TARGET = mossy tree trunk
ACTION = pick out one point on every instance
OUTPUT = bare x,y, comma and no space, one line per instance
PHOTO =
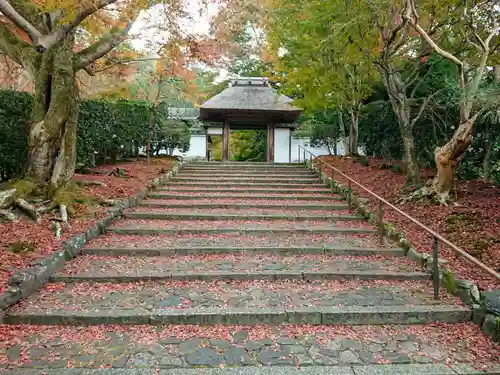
397,94
52,139
48,54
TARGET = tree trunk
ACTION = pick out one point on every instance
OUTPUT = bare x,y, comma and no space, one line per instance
150,135
447,157
412,167
397,94
353,133
343,133
52,138
487,156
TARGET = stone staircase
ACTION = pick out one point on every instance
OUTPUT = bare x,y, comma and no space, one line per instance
241,264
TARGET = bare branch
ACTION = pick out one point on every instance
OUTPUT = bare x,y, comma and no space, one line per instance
46,42
423,106
21,22
100,48
125,62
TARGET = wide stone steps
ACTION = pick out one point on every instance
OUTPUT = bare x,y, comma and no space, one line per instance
268,180
222,166
235,216
162,227
240,265
255,266
203,250
248,196
241,204
242,190
362,244
242,302
247,175
202,185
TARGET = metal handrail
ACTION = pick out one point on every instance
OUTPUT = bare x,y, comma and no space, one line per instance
437,237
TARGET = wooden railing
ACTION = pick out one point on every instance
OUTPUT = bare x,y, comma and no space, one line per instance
437,238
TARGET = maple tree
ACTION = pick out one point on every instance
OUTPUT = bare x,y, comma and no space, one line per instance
43,37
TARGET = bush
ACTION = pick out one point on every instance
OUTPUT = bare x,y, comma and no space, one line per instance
15,112
106,131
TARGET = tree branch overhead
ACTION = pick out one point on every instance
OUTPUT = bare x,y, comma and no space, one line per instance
44,42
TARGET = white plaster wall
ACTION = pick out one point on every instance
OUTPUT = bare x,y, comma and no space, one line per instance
214,131
305,142
197,148
281,145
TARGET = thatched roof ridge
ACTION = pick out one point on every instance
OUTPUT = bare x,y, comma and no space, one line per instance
250,94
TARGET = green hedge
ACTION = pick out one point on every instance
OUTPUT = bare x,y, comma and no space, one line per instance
106,131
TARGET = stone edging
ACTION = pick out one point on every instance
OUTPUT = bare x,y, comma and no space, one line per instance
483,314
25,282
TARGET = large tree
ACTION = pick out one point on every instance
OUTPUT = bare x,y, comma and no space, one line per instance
41,36
476,38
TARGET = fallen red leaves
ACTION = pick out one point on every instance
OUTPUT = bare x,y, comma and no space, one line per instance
43,237
462,342
473,223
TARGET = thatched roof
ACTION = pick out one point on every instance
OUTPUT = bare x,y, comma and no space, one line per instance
250,100
183,113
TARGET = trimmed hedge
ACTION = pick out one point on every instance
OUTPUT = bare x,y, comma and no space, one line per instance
106,131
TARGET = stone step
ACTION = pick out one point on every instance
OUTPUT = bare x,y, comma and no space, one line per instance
240,175
240,204
238,302
162,227
245,164
253,172
242,189
268,196
201,250
202,185
268,180
235,216
206,356
300,243
255,266
249,350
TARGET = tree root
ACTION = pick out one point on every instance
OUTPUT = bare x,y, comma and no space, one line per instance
28,208
8,215
64,213
90,183
118,172
7,197
426,193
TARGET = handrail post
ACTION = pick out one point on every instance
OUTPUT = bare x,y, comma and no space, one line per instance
349,200
381,223
435,267
311,162
319,168
332,184
298,152
303,149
